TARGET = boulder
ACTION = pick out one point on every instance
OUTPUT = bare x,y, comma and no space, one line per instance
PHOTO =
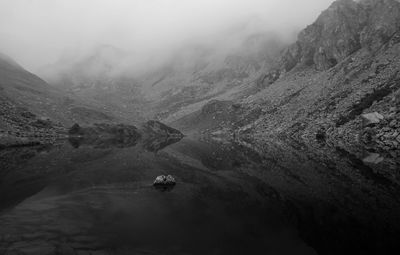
372,118
164,180
373,158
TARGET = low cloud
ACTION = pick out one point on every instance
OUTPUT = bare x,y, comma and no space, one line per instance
38,33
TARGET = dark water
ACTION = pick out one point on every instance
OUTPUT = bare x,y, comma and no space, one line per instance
97,197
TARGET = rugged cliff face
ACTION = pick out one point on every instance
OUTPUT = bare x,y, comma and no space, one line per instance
341,30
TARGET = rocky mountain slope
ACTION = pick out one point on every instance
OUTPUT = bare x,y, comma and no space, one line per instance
344,65
338,82
28,90
198,74
100,78
33,110
343,68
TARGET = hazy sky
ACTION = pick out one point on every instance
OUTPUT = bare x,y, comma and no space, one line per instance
37,32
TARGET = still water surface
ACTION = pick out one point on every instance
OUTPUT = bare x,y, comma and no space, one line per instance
98,198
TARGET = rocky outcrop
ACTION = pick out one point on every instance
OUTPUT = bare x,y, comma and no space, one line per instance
345,27
385,135
372,118
373,158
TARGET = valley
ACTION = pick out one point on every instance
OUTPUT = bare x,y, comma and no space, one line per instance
278,144
339,69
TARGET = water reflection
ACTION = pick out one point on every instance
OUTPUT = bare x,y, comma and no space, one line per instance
155,145
117,142
230,198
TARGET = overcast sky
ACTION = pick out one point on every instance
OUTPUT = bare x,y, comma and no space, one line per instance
37,32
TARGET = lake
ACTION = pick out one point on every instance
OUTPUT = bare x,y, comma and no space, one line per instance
230,198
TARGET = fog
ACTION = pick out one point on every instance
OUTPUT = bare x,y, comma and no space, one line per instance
38,33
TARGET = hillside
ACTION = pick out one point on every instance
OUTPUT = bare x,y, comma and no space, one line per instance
198,74
32,110
338,82
171,87
99,77
342,67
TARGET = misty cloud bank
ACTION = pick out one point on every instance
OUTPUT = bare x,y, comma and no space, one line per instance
39,33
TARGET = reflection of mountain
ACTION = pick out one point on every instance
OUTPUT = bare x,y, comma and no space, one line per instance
96,142
151,143
17,185
98,193
155,144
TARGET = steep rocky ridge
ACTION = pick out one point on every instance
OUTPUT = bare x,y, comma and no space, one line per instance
341,30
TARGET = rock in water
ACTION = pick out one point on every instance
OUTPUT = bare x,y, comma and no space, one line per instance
165,180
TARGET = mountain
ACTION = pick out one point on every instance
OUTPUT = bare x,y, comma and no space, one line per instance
31,108
200,73
100,78
341,30
170,87
343,69
339,81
